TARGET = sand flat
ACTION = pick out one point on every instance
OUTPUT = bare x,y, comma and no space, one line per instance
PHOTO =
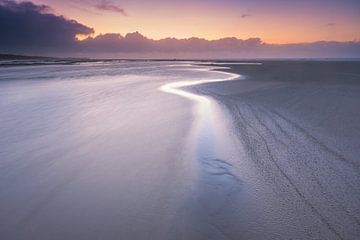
299,122
102,150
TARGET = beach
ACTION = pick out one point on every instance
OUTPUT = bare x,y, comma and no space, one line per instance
95,150
180,150
299,123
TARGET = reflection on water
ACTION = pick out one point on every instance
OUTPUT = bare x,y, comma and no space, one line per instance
215,201
206,126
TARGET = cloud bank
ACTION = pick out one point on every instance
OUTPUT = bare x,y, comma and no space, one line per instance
26,28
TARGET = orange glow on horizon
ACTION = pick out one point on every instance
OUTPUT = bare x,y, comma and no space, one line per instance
181,21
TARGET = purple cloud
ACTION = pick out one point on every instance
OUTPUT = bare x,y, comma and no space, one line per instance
24,6
135,45
25,26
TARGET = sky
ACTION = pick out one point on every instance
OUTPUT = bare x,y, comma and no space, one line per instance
274,21
181,28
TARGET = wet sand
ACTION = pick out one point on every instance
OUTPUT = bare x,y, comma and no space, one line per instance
299,123
99,151
119,150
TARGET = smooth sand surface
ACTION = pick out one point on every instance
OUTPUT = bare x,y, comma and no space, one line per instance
110,150
98,151
299,122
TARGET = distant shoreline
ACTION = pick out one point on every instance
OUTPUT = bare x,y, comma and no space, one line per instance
6,56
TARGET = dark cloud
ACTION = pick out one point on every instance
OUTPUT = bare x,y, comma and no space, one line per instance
245,15
24,6
109,6
25,26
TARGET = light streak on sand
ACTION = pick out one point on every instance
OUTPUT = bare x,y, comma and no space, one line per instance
206,134
175,87
212,149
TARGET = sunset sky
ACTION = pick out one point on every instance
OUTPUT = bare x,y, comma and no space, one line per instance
274,21
181,28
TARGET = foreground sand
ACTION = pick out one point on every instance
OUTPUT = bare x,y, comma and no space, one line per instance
108,151
300,125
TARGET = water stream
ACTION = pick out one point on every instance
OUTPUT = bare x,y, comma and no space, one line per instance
217,195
